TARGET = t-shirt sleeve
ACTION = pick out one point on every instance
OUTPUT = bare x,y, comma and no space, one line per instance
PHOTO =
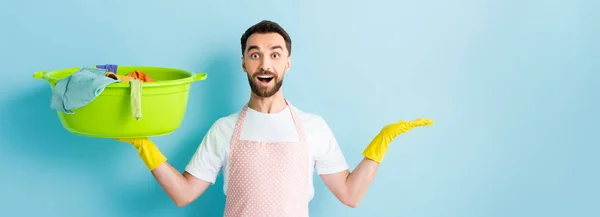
330,158
208,158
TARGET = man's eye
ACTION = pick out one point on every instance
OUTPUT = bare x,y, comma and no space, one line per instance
275,56
254,56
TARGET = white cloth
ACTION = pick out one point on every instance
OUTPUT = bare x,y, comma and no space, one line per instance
212,154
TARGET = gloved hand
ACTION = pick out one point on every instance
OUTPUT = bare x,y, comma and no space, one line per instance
378,147
149,153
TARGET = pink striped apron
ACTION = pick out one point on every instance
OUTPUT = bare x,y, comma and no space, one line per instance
267,178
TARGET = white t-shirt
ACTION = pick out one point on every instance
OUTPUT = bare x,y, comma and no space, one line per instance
213,152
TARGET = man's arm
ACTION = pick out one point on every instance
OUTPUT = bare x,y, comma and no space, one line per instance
181,188
351,187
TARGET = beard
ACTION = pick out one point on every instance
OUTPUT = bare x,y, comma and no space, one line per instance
261,90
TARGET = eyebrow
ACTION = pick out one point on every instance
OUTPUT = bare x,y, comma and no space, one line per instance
251,47
276,47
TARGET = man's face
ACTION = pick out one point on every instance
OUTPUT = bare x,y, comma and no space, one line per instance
265,61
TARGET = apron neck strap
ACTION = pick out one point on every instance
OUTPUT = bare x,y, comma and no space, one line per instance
242,118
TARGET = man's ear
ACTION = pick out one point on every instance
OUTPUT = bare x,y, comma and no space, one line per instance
289,64
244,65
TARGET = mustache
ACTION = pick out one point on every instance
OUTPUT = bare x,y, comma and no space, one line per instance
265,72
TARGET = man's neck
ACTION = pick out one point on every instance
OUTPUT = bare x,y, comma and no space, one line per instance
268,105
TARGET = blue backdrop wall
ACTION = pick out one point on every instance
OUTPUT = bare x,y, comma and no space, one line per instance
512,85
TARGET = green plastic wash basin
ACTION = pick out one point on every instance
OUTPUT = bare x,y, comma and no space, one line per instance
163,101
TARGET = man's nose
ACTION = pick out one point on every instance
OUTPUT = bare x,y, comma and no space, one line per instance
266,65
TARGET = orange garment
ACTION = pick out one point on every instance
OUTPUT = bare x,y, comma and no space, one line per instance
140,76
137,74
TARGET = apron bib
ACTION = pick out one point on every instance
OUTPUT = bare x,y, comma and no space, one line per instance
267,178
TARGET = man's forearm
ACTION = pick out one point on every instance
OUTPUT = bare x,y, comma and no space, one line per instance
360,179
174,183
181,188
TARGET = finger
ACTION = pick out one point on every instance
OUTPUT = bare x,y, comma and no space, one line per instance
420,122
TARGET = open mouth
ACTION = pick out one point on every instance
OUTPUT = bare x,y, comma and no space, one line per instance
265,78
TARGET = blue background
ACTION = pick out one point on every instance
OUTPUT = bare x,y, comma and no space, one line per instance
512,85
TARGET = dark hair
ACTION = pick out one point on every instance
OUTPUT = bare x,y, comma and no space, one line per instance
267,26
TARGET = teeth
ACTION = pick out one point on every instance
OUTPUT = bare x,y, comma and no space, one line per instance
265,76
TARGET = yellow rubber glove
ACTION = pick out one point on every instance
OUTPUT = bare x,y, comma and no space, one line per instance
149,153
378,147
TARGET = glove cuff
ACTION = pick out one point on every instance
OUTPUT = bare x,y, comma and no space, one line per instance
150,154
377,149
